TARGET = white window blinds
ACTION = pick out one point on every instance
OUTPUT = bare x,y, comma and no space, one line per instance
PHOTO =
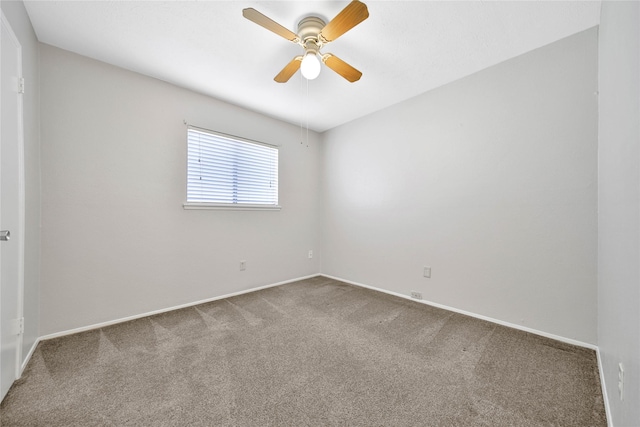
223,170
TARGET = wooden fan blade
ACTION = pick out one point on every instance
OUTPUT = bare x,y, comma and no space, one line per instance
349,17
253,15
289,70
341,67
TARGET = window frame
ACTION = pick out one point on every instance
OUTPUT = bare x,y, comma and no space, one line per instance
231,206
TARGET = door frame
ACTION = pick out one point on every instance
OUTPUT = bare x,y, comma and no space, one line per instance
20,235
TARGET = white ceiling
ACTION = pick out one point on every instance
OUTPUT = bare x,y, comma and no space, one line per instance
404,48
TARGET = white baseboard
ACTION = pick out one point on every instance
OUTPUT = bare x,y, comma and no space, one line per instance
164,310
605,395
468,313
26,360
433,304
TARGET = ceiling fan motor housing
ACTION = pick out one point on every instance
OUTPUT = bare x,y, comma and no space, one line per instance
308,30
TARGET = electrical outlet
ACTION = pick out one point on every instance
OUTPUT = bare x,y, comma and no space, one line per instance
310,253
416,295
621,380
243,265
427,272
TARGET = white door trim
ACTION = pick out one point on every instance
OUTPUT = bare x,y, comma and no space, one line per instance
20,235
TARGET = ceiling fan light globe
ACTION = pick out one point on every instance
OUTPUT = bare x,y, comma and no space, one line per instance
310,66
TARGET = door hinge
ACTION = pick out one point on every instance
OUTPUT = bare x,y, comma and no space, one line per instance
20,84
18,326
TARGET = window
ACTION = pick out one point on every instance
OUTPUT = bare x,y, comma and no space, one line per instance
225,171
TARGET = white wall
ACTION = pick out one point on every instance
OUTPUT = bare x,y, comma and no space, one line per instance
116,240
490,180
619,211
21,26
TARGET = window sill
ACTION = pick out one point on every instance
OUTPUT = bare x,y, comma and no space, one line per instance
230,207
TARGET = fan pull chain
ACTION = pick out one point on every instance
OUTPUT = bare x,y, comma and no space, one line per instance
302,107
307,113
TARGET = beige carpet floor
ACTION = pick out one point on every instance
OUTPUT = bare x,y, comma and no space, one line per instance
312,353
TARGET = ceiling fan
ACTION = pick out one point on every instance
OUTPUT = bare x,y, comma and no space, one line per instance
313,34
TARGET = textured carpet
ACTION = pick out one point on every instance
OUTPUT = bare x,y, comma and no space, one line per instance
311,353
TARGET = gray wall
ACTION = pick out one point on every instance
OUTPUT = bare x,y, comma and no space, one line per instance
490,180
618,206
21,25
116,241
